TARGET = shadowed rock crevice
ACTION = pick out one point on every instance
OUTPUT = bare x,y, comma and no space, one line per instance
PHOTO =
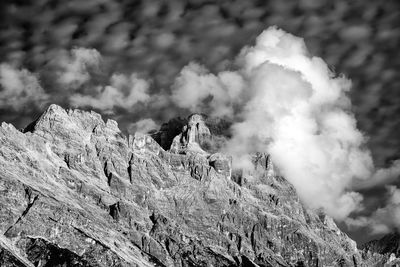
9,231
42,253
168,131
7,259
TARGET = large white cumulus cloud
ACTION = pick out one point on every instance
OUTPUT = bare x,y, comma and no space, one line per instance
302,115
291,105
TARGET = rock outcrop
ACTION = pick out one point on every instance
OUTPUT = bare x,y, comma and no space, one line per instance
384,251
74,191
168,131
193,136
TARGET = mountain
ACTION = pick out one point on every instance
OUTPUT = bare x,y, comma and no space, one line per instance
389,243
386,249
74,191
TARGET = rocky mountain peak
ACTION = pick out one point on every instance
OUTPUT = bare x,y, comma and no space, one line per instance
168,130
74,191
196,129
70,123
193,135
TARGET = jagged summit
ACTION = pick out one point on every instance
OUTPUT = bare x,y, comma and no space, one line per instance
57,118
210,135
77,192
194,134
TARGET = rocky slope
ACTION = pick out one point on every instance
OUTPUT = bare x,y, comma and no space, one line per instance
385,250
74,191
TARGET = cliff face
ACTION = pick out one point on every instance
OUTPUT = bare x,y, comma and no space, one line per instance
74,191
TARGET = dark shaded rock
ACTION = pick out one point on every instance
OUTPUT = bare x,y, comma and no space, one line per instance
43,253
168,131
7,259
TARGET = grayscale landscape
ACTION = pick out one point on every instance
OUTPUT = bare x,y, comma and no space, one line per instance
199,133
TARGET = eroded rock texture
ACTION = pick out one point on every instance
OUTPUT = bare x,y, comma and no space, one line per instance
74,191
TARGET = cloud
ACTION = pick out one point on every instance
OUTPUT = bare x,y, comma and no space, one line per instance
381,177
383,220
199,90
123,92
298,110
291,105
74,68
136,37
281,100
142,126
20,89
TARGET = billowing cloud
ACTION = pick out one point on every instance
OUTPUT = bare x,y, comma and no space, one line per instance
19,89
123,92
294,107
300,113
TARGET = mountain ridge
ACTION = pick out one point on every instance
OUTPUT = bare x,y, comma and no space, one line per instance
76,191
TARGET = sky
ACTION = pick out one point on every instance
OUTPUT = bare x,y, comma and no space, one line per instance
138,62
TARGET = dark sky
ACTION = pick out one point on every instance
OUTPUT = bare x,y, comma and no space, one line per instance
155,39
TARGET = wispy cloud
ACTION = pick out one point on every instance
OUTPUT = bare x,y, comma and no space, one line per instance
19,89
73,69
123,92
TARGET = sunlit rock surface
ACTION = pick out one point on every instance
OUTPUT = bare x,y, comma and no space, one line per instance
193,135
74,191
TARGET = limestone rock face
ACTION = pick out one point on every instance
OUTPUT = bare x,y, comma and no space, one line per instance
74,191
221,163
194,134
